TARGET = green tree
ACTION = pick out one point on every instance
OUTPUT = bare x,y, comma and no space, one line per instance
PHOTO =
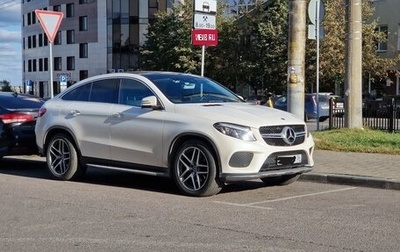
252,48
332,49
168,45
6,86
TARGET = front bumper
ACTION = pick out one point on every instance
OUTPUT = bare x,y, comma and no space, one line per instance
264,174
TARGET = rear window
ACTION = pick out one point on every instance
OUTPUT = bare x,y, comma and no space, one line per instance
11,101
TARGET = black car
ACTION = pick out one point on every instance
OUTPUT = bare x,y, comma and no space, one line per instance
18,113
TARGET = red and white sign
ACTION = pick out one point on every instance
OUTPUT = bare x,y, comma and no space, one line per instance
204,37
50,21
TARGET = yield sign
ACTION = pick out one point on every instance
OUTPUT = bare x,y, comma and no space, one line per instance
50,21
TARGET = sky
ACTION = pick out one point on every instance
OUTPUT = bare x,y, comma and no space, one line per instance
10,42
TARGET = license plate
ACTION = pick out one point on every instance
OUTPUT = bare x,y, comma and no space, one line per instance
288,159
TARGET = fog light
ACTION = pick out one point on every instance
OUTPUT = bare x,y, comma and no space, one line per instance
241,159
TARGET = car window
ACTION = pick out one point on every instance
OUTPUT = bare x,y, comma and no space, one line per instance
132,92
16,101
281,100
192,89
105,91
80,93
323,98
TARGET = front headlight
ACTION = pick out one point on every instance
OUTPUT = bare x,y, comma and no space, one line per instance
237,131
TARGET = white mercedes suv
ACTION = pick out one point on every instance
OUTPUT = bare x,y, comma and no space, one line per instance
182,126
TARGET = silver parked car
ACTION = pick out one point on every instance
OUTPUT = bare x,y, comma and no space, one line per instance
182,126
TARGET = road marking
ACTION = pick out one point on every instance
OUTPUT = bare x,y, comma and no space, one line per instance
253,204
242,205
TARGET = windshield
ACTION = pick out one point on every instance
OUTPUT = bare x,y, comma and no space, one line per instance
182,88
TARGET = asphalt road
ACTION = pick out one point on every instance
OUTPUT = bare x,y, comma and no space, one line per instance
110,211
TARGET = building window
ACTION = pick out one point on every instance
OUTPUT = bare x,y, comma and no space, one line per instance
34,65
57,39
29,65
382,46
40,37
40,65
29,42
57,63
71,63
45,41
83,74
46,64
34,41
70,36
57,8
83,1
70,10
83,23
33,18
83,50
28,17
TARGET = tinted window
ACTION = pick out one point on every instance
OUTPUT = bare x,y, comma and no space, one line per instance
323,98
191,89
19,101
105,91
78,94
281,100
132,92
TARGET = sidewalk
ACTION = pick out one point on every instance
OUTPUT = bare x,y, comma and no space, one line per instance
360,169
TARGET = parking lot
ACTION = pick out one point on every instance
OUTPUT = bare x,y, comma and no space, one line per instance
110,211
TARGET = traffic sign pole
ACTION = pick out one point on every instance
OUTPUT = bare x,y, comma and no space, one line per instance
50,22
51,71
203,52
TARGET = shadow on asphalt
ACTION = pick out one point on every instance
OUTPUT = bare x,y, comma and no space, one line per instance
34,168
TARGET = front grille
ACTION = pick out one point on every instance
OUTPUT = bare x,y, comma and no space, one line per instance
274,135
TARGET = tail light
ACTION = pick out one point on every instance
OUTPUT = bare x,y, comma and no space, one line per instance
42,111
16,118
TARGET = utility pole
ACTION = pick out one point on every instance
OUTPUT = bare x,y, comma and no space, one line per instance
353,76
296,57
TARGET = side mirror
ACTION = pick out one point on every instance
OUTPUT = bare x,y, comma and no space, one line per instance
151,102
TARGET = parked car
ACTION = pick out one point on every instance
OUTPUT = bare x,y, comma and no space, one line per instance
18,113
310,105
258,100
182,126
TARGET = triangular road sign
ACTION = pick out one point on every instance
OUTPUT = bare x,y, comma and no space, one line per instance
50,21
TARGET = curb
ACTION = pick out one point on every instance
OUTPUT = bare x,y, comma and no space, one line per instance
355,180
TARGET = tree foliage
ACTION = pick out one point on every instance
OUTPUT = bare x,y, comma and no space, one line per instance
168,45
332,49
257,42
5,86
252,47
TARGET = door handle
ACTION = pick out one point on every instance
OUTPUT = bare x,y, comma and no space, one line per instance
75,113
118,115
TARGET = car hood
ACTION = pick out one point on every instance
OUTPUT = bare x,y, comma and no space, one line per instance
239,113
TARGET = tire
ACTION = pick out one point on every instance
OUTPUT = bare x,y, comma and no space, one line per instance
194,170
281,180
62,159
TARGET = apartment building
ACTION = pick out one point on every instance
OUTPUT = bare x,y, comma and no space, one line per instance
95,37
386,12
